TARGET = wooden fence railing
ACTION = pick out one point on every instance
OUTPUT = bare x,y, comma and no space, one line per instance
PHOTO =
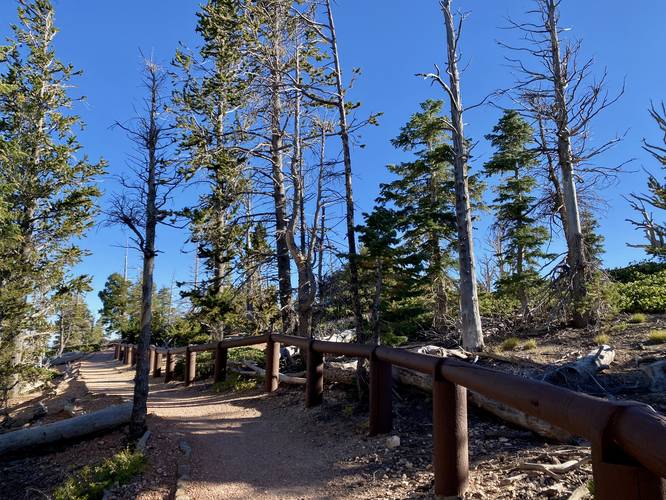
628,439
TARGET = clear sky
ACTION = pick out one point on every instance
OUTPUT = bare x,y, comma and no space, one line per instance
391,41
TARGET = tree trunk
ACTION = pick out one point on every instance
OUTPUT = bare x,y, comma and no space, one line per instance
472,334
37,437
280,199
349,197
574,235
141,385
376,303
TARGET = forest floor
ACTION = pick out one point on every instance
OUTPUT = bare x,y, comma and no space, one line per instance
247,444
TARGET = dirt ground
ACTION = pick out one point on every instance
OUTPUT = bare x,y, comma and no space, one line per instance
252,445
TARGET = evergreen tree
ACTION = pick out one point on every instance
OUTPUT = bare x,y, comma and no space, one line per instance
523,237
49,191
423,195
212,89
115,312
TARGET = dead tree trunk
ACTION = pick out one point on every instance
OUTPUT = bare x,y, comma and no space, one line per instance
472,334
340,104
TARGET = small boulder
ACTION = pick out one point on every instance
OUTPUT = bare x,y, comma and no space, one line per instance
392,442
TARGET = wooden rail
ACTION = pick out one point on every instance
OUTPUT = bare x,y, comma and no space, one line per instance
628,439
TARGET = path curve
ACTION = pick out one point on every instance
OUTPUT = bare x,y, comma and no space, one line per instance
244,445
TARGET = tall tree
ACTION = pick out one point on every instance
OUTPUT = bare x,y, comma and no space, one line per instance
644,204
472,333
115,311
561,93
49,193
211,90
143,205
424,196
515,205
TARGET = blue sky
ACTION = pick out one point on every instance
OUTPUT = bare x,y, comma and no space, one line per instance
391,41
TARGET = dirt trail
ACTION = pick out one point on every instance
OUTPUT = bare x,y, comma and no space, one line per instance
243,446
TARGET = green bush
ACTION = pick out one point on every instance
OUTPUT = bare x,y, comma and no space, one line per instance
91,481
657,336
635,272
496,305
235,383
251,354
510,344
646,294
530,345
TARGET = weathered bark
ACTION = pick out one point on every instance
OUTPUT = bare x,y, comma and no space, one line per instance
77,427
376,302
574,234
349,196
280,200
472,333
141,384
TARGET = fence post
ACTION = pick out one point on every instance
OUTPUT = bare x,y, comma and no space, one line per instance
128,355
157,364
616,475
272,365
381,396
449,435
115,351
221,355
314,387
190,365
134,355
151,359
170,365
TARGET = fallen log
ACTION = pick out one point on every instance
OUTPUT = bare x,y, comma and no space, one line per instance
580,373
424,382
256,370
64,430
68,357
656,374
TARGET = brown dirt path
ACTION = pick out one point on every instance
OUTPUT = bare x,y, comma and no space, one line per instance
247,445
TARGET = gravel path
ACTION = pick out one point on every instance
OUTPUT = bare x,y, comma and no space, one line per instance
247,445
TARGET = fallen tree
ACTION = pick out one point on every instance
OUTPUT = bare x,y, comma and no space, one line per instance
64,430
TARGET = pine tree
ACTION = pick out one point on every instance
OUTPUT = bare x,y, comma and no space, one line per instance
423,195
212,88
115,312
49,189
523,237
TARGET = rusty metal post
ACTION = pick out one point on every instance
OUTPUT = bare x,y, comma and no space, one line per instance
272,366
190,366
151,360
221,355
128,355
314,387
134,356
170,366
449,435
616,475
115,351
157,364
381,396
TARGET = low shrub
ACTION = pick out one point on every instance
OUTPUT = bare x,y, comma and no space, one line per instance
602,339
637,318
91,481
251,354
657,336
235,383
530,345
510,344
646,294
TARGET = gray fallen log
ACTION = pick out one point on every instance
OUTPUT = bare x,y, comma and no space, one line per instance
580,374
73,428
68,357
656,374
424,382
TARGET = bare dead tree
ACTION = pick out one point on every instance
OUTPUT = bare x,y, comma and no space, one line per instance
472,333
142,205
645,204
562,95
